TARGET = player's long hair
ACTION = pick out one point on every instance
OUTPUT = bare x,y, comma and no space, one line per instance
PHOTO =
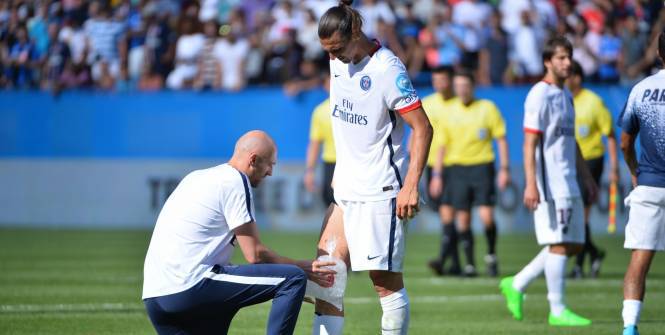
342,18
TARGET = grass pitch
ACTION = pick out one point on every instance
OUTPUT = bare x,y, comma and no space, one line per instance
89,282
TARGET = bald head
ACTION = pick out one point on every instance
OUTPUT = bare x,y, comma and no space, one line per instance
254,155
254,141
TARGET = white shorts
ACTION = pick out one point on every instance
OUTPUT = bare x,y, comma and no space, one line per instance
374,234
646,219
560,221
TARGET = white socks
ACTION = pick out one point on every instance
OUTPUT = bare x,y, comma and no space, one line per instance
555,272
327,325
631,312
395,320
531,271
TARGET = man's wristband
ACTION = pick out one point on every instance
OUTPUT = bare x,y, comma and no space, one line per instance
436,174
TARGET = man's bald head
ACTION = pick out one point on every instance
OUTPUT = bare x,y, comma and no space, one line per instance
254,141
254,155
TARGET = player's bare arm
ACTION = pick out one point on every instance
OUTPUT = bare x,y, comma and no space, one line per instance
585,173
408,197
436,184
504,166
612,146
313,150
531,195
256,252
629,154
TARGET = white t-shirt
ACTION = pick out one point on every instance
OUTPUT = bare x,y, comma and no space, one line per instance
366,101
189,47
372,14
231,57
194,230
548,110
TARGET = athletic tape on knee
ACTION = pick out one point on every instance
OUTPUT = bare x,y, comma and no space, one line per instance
334,294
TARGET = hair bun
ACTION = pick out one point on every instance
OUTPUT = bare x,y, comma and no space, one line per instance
346,2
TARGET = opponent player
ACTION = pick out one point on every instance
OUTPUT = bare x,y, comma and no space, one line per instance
320,136
468,128
371,97
644,114
189,287
552,161
592,122
435,105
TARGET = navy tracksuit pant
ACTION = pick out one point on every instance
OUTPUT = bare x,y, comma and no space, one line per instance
209,306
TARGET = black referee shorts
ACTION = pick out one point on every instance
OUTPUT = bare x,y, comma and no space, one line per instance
596,166
467,186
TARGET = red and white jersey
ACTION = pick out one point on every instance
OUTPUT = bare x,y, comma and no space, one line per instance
367,100
549,111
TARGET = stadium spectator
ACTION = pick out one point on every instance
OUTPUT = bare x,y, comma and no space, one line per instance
21,60
188,50
160,41
375,11
552,191
633,41
57,56
72,33
231,52
592,122
609,53
105,39
189,285
435,106
307,36
528,62
321,137
408,27
585,48
209,74
493,58
645,230
369,116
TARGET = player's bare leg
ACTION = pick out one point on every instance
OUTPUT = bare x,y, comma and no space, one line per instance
394,301
466,241
329,319
634,286
448,247
486,214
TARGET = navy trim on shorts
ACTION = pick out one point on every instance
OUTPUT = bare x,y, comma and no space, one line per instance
393,120
393,224
248,198
543,169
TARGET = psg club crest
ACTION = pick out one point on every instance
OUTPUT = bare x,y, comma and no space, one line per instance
365,83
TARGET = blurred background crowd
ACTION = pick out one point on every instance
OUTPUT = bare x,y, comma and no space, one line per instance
228,44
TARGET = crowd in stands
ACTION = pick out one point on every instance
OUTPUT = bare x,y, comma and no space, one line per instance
228,44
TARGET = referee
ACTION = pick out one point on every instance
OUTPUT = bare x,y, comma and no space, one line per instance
435,105
320,136
592,122
469,127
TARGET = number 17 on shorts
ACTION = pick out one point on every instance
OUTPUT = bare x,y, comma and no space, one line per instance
560,221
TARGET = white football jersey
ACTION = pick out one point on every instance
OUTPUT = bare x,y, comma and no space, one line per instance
194,230
549,111
366,102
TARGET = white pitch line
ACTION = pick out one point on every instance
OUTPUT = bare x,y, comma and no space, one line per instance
68,308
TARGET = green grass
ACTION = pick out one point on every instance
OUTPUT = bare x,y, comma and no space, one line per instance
89,282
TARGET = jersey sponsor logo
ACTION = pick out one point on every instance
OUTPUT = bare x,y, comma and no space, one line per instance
564,131
365,83
345,113
371,258
655,95
405,87
583,130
